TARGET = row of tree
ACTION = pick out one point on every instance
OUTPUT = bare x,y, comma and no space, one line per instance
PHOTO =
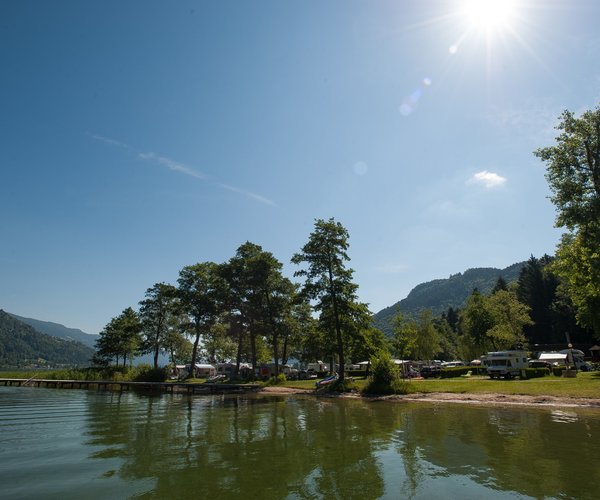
245,309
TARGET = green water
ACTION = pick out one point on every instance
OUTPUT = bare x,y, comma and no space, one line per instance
85,444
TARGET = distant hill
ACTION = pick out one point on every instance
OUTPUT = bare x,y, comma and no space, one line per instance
60,331
21,345
438,295
76,335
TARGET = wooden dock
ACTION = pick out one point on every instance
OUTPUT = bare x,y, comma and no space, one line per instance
120,386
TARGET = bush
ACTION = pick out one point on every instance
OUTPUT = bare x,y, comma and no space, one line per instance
338,386
535,372
356,373
279,379
455,371
146,373
385,377
557,371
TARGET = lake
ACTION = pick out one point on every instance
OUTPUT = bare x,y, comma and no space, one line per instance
86,444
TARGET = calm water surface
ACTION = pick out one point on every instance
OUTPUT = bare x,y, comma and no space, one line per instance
85,444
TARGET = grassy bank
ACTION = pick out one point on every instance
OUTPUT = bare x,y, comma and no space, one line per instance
585,385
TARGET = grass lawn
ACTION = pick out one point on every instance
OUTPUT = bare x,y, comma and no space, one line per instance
585,385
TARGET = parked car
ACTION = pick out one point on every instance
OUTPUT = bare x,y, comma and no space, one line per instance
431,371
536,363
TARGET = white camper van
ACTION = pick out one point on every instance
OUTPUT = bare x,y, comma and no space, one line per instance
505,364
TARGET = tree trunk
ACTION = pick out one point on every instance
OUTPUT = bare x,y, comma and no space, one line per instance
192,372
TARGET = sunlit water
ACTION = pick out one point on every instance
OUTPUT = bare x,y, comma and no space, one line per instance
86,444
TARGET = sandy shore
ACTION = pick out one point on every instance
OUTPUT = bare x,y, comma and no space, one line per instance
473,398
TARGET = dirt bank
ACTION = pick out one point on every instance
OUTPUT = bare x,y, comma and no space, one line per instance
473,398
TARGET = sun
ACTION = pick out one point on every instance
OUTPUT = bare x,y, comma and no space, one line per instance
489,15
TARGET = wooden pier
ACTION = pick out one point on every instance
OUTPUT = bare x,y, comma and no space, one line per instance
120,386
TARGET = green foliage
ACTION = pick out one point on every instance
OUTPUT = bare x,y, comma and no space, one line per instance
573,173
404,341
157,316
329,283
120,338
557,371
457,371
147,373
201,290
21,345
578,265
385,377
535,372
339,386
276,380
438,295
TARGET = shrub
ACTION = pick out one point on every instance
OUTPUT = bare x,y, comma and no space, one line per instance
385,377
146,373
455,371
535,372
347,385
279,379
557,371
356,373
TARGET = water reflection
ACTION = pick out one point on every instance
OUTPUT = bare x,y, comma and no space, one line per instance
295,447
226,447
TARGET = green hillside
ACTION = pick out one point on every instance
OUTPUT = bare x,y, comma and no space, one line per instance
438,295
21,346
58,330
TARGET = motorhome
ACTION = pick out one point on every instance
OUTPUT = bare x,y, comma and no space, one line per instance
568,357
507,364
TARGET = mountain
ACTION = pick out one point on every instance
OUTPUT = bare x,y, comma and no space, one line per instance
438,295
76,335
21,345
60,331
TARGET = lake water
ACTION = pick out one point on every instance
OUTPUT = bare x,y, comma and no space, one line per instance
86,444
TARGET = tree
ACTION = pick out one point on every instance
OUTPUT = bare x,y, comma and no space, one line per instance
578,264
475,321
500,285
573,173
404,341
510,317
327,280
259,299
120,338
428,339
200,294
573,170
155,314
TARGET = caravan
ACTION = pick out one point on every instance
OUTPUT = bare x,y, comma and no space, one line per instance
505,364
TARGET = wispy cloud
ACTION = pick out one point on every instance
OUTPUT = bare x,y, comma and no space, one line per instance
489,180
109,141
176,166
172,165
250,194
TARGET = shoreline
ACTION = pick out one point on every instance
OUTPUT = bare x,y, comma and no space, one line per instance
479,399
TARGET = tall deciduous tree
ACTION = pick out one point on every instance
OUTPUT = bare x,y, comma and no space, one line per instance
156,312
327,280
573,173
200,293
120,338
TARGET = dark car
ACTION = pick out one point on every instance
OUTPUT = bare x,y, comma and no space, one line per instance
430,371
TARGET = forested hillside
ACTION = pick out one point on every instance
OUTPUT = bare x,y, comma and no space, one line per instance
58,330
21,345
438,295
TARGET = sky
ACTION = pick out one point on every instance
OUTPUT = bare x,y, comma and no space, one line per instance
143,136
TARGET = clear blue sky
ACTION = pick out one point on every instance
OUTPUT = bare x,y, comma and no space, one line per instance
138,137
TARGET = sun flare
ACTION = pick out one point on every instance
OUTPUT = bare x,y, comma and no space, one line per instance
489,14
